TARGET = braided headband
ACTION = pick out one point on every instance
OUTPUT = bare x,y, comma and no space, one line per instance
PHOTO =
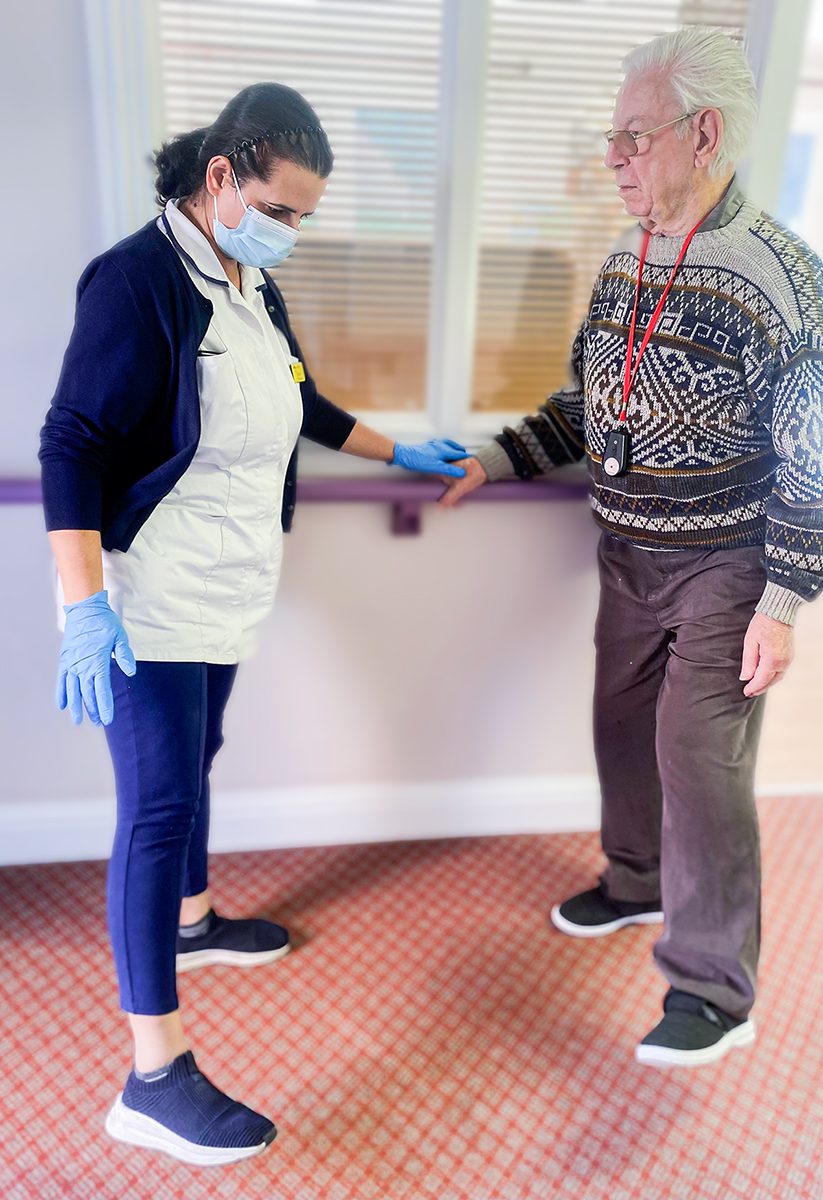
250,143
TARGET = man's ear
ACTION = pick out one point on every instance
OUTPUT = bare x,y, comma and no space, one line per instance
707,130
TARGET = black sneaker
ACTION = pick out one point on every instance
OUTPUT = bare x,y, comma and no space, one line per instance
183,1114
592,914
246,943
692,1032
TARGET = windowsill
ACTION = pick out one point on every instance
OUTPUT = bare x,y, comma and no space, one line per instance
475,431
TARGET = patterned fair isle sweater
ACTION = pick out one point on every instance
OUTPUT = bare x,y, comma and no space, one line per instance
726,413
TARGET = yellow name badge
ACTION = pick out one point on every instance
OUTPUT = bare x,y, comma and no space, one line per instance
298,373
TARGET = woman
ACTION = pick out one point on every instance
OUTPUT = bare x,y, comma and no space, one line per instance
168,461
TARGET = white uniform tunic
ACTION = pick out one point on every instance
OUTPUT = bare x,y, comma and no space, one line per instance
202,572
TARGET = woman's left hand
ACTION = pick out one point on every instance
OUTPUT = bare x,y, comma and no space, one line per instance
432,458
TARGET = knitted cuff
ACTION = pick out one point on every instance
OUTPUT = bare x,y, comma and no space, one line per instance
778,602
495,462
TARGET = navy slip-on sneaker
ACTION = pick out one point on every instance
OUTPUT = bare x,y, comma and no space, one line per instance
183,1114
693,1032
242,943
592,914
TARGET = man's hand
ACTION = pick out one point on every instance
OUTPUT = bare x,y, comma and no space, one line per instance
458,488
768,649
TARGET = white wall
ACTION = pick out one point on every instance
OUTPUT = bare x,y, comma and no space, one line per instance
50,214
404,685
464,653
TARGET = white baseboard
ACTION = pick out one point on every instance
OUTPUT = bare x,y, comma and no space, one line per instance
70,830
33,831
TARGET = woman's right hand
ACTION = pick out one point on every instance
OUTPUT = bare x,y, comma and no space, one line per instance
474,477
93,632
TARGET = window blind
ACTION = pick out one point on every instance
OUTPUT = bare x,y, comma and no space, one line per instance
357,284
549,212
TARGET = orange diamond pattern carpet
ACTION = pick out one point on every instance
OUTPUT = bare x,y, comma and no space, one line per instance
431,1037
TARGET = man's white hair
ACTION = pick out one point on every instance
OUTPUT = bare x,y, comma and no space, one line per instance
706,69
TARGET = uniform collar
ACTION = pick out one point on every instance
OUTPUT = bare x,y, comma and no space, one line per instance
192,245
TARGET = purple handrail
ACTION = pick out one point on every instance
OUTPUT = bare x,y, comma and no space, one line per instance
331,489
20,491
406,496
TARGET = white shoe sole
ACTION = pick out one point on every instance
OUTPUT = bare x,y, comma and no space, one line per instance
228,958
592,931
664,1056
136,1129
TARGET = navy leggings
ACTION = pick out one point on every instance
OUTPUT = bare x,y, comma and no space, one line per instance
166,731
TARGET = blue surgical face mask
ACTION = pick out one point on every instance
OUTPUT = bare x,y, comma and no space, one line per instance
258,241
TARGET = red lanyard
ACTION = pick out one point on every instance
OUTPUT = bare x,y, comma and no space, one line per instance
630,375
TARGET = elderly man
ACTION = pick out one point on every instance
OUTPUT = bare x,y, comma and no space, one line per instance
697,402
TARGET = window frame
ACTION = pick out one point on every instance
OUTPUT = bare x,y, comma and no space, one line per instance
125,68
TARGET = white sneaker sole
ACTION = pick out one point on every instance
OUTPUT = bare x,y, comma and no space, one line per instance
228,958
592,931
664,1056
136,1129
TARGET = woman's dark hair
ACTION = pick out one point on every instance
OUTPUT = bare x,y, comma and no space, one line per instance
263,124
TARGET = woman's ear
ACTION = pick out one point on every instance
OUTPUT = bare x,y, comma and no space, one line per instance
218,174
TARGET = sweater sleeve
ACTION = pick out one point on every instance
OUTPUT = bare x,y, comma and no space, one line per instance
114,370
550,438
794,510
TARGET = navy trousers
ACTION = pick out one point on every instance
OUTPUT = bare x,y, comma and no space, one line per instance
167,728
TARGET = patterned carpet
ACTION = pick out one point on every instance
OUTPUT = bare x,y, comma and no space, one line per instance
431,1037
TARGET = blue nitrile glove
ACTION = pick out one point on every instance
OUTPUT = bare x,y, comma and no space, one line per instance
93,631
433,458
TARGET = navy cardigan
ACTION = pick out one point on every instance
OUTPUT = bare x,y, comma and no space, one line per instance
124,423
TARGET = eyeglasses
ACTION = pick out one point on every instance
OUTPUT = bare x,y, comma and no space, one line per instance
625,142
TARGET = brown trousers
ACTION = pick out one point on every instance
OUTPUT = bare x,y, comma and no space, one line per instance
676,742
